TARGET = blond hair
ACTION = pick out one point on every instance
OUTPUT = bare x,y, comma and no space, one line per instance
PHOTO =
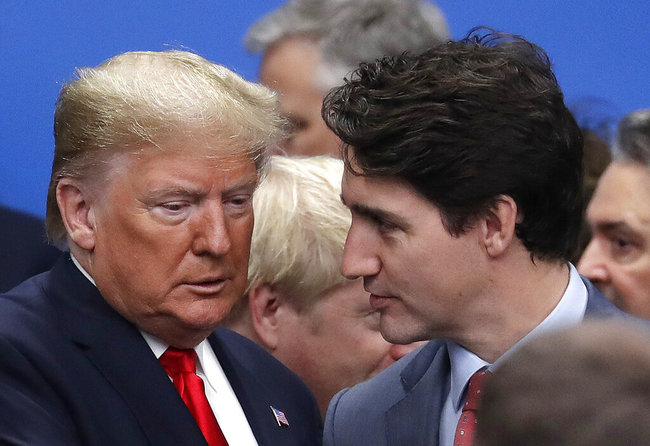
300,228
144,98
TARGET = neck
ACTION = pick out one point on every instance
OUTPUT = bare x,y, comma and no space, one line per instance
509,310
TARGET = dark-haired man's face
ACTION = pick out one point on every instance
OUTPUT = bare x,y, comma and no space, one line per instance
420,277
617,258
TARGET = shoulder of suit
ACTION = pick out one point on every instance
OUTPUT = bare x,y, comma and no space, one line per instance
389,385
253,356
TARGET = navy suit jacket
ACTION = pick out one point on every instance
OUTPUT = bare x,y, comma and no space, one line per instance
73,371
402,405
24,250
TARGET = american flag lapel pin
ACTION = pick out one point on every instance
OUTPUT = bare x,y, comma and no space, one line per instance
280,418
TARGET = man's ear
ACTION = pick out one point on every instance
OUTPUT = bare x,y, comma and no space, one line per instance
264,304
499,225
75,208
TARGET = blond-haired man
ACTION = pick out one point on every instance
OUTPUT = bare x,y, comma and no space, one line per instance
156,159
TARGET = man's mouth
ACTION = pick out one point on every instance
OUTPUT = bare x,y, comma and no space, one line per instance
377,302
207,286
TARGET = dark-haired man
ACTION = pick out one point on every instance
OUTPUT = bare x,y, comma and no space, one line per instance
617,258
463,175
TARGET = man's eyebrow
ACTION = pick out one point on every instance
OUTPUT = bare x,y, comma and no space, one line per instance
618,226
174,190
606,226
247,182
378,215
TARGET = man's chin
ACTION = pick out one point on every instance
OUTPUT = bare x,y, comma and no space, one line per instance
395,333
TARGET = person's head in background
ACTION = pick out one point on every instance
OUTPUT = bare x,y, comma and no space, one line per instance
298,305
596,156
309,46
617,259
594,116
586,386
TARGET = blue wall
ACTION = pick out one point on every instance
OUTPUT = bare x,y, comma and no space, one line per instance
599,48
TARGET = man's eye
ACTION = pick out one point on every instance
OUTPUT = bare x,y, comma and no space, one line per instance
620,243
238,203
173,207
241,201
622,248
383,225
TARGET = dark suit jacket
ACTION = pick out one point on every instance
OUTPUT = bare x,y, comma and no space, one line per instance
24,250
402,405
75,372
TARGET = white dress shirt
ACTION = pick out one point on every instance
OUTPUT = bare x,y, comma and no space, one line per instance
220,395
569,311
222,398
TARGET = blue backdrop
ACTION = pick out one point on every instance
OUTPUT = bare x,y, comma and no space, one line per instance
599,49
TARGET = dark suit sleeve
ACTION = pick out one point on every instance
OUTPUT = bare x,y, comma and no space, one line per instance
30,413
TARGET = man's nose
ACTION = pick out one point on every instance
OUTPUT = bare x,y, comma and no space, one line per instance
593,263
359,257
211,231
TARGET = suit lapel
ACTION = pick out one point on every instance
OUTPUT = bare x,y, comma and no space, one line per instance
122,356
250,392
415,419
598,305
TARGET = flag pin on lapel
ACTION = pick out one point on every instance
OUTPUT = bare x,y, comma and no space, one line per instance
280,418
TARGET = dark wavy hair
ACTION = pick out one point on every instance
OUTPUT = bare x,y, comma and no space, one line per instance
463,123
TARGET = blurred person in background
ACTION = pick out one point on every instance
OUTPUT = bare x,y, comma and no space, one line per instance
588,385
596,156
309,46
24,250
617,259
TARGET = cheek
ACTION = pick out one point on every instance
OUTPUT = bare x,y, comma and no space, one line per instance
371,344
298,348
354,340
240,233
633,282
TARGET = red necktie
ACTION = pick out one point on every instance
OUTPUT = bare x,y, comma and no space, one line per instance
467,422
180,365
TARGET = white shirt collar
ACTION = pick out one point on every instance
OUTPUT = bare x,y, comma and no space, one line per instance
81,268
218,391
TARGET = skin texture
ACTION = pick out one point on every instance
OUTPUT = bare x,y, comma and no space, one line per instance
167,237
336,343
617,259
289,67
417,273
